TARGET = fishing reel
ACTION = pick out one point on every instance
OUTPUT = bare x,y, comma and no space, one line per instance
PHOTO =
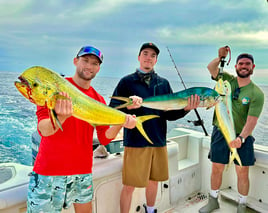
197,122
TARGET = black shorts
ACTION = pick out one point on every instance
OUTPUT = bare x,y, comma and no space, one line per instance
220,152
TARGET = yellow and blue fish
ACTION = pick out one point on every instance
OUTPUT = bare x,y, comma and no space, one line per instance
178,100
42,87
225,117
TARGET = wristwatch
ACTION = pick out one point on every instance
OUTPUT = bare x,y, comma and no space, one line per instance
241,138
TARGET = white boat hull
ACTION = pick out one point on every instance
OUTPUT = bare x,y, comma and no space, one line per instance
185,191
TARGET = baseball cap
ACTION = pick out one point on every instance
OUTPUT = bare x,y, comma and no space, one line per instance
90,50
245,55
149,45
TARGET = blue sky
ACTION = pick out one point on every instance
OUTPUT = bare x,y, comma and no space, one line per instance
50,33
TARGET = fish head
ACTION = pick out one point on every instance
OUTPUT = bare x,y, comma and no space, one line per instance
215,99
223,87
219,87
212,97
35,84
227,88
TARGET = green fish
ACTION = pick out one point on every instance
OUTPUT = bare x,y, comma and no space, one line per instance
225,117
42,86
208,98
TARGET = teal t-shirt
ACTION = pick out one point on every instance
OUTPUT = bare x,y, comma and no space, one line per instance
250,101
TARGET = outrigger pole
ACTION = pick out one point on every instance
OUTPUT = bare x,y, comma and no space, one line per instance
199,121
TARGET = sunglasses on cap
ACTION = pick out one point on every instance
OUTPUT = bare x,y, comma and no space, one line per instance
89,50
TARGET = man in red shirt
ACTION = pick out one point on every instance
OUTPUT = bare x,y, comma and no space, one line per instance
62,173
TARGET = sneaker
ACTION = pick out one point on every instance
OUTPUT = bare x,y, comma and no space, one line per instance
144,205
211,205
241,208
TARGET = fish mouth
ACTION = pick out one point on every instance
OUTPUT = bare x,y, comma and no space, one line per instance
23,81
24,87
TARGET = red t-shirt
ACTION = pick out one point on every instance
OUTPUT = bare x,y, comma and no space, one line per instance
70,151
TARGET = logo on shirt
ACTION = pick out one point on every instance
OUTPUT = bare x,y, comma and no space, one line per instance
245,100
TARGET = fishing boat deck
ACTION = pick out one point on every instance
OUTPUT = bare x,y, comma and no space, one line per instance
197,201
186,191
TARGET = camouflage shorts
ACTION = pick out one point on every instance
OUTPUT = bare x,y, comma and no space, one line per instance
52,193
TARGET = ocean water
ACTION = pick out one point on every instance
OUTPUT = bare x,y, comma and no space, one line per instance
18,120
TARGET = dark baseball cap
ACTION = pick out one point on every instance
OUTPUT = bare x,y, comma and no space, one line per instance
149,45
245,55
90,50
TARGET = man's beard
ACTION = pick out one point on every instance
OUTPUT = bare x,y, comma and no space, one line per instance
250,71
87,78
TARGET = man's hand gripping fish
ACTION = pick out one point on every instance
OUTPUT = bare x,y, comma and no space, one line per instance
42,87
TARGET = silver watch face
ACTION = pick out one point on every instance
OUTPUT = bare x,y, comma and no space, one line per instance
242,139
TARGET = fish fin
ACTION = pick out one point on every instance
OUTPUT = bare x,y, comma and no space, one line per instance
232,157
139,126
51,105
235,155
58,96
127,100
54,119
51,102
209,107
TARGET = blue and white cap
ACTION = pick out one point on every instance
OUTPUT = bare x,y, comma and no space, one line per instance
90,50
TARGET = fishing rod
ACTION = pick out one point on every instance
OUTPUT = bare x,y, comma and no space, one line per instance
199,121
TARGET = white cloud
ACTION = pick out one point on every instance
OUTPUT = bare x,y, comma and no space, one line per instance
238,33
12,7
35,31
259,5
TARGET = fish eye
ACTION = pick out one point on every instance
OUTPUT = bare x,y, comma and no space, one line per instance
35,84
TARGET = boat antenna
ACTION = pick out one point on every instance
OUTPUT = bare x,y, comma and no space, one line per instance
199,122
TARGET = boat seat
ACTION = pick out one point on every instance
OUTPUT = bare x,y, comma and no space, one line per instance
104,167
14,184
5,174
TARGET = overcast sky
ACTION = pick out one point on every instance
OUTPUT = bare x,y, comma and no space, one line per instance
50,33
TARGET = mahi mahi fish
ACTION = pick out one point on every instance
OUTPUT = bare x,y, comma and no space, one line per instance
225,117
208,98
42,87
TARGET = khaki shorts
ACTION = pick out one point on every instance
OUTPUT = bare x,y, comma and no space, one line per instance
143,164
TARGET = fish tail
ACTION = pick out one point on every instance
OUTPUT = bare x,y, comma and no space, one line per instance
139,126
127,100
235,156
